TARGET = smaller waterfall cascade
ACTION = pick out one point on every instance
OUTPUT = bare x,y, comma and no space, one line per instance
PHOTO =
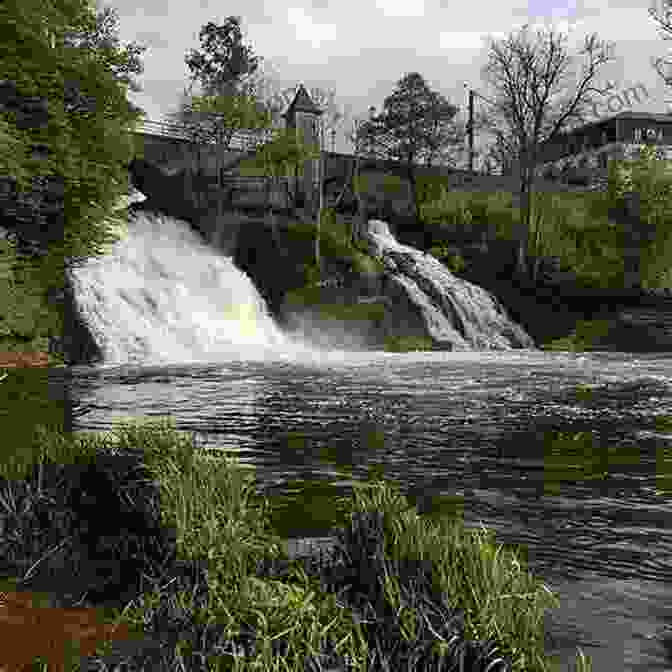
456,312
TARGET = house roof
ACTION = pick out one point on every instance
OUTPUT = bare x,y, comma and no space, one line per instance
627,115
302,102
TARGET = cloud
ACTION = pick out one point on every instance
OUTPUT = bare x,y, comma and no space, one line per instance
461,40
309,31
401,8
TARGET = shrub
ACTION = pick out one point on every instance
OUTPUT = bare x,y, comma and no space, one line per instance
453,260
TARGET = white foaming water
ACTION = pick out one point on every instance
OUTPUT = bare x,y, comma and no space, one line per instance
456,312
161,295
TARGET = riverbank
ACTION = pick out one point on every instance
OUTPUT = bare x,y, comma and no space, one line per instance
188,570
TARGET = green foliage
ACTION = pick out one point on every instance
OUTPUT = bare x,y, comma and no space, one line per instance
464,215
431,188
62,51
14,154
392,184
566,226
328,219
650,181
285,152
26,320
416,121
454,261
219,117
561,226
586,335
224,60
408,344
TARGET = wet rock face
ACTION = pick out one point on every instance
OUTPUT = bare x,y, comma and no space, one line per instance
76,343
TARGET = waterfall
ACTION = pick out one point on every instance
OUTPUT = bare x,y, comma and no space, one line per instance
162,295
457,313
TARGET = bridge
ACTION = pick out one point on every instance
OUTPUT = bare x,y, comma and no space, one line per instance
168,146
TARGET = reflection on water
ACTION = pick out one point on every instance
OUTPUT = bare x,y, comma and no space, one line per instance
561,455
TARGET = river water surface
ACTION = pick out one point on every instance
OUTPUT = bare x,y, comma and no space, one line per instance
593,516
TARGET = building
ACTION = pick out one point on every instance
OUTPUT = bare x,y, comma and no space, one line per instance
581,156
303,115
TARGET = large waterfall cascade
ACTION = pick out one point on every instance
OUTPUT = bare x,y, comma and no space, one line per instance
162,295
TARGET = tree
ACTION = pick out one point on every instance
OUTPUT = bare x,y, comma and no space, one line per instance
61,51
416,124
663,18
638,199
225,62
224,69
367,144
528,79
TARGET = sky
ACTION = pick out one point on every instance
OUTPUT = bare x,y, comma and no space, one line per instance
360,49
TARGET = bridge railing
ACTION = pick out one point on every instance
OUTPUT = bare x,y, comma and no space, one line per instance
242,139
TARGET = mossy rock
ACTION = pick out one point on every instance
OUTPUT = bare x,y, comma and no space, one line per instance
586,336
408,344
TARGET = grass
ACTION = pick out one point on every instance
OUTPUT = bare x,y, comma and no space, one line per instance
399,591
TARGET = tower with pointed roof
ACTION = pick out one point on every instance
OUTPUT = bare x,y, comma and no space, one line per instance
304,116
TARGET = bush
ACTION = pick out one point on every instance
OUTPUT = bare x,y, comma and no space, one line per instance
408,344
452,259
461,216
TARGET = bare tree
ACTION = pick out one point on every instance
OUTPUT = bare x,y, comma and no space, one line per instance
536,103
663,17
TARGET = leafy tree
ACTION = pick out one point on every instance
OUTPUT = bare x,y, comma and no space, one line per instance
61,51
416,124
284,153
224,68
527,77
638,198
225,61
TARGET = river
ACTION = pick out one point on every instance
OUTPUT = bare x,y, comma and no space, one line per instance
594,521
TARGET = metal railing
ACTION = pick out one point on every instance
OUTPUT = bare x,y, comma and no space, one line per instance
243,139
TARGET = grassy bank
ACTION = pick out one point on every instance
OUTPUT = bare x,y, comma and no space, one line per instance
398,588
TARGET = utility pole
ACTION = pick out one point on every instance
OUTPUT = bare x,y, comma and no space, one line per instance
470,127
470,123
320,171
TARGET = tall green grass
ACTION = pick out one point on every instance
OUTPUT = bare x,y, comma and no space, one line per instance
211,503
564,226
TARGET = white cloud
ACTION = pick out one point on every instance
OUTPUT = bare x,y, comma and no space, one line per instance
461,40
401,8
309,31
